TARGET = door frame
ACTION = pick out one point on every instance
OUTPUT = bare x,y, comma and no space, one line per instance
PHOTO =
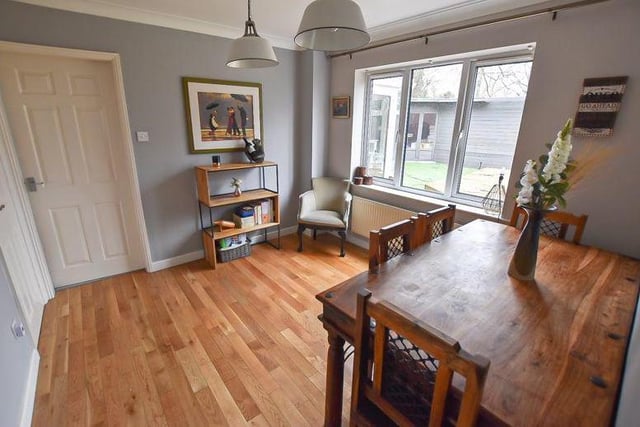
24,205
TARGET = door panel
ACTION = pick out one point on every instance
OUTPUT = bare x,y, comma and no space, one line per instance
63,114
110,219
94,137
68,228
45,130
83,85
35,82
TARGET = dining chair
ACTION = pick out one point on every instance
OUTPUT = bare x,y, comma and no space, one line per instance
433,224
403,371
389,242
554,224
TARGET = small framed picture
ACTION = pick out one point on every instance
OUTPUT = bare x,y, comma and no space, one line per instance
341,107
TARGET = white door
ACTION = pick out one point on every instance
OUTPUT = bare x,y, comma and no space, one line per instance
68,136
15,255
15,359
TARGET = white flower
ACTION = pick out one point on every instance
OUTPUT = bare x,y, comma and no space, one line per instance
529,174
524,196
558,158
528,180
536,185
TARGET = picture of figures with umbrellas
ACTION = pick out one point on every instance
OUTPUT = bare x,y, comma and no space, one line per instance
221,113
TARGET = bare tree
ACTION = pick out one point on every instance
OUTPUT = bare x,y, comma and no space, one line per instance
503,81
422,84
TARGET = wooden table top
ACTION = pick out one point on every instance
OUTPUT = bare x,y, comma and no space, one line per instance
548,341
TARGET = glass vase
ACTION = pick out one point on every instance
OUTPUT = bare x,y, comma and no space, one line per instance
523,261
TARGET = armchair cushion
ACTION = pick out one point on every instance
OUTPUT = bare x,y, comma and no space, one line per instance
323,218
330,193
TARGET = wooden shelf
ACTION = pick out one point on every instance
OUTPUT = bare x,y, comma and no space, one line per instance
211,201
229,232
235,166
246,196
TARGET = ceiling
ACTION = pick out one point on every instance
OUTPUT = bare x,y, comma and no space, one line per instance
278,20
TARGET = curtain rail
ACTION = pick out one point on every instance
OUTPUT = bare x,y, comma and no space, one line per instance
463,27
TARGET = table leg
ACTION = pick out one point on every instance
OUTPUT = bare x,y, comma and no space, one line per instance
335,377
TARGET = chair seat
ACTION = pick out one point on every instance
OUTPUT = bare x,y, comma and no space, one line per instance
323,218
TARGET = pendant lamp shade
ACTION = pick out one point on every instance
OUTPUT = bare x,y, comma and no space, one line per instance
251,50
332,25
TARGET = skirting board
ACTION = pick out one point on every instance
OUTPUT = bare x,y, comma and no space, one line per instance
351,238
176,260
195,255
30,392
358,240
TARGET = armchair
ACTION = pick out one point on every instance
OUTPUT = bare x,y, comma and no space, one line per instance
325,207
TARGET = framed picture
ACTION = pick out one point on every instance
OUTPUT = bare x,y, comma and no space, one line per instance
599,104
220,113
341,107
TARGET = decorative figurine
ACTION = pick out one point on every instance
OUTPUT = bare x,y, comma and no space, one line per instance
254,150
235,182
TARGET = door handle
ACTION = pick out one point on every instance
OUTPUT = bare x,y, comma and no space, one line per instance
460,136
31,184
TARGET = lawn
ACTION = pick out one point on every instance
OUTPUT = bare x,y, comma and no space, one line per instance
431,176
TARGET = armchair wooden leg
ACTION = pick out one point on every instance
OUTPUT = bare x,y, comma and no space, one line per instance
300,231
343,237
315,233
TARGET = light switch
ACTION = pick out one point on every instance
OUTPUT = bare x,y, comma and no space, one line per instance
142,136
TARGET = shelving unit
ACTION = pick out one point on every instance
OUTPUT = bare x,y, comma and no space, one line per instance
207,201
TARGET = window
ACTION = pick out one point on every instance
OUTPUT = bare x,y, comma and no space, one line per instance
383,124
447,129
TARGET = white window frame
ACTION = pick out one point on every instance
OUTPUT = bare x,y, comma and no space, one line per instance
470,64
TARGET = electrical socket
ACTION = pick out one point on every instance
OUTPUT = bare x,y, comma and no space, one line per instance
17,328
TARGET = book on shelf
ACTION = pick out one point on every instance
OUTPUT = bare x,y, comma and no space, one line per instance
257,212
244,211
245,222
265,210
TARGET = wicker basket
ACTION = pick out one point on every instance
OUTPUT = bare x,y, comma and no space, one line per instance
229,254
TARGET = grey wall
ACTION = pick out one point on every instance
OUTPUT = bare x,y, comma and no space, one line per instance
15,356
593,41
320,111
153,61
313,114
304,111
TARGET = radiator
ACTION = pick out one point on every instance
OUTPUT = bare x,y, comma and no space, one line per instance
367,215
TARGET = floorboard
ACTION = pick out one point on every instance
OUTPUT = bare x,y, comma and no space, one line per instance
191,346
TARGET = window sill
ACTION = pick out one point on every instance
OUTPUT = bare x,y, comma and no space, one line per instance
464,213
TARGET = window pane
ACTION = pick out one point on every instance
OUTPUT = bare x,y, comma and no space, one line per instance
432,110
382,125
496,111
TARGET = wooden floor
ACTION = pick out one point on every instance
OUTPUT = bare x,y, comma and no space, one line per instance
240,345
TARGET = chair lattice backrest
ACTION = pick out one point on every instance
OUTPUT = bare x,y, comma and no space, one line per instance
433,224
403,371
554,224
389,242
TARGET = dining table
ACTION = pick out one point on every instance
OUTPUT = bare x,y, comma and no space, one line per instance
557,345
